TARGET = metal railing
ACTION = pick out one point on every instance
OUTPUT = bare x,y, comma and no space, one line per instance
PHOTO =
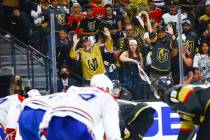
33,57
143,92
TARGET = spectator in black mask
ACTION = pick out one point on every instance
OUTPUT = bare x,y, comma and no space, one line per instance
16,86
64,81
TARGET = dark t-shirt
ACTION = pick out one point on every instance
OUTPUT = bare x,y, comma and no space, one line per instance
193,40
59,16
111,23
89,25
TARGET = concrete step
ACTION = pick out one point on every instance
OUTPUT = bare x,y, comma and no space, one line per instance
7,51
5,45
20,60
39,82
38,70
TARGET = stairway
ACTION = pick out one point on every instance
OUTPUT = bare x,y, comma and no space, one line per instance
27,62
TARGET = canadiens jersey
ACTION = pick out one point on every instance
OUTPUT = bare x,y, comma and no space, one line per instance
42,102
10,108
96,109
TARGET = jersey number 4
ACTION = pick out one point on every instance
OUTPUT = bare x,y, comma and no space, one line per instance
2,100
87,97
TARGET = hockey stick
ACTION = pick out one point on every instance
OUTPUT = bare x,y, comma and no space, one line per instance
143,75
192,135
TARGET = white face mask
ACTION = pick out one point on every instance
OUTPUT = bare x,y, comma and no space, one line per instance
88,47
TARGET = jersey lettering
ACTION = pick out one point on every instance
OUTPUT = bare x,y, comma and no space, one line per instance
3,100
87,97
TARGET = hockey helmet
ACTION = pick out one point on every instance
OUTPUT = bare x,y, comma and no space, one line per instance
33,93
103,82
161,85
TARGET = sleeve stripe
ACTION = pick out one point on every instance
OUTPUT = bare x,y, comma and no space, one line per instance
184,93
187,95
207,106
75,110
185,130
187,126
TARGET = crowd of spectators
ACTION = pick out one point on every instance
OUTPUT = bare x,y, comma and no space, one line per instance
99,36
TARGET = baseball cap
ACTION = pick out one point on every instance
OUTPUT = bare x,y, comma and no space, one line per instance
133,42
162,28
186,21
172,3
88,38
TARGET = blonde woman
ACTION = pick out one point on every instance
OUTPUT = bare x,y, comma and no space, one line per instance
16,86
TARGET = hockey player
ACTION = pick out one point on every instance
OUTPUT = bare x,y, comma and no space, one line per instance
33,110
135,119
84,114
10,108
191,102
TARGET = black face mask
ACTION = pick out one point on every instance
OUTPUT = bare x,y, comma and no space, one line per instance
186,31
19,82
64,75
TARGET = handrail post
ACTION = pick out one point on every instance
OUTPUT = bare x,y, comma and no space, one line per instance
50,78
181,67
13,53
53,45
46,73
32,69
28,68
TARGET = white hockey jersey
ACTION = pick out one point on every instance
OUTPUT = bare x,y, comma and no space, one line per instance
10,108
96,109
42,102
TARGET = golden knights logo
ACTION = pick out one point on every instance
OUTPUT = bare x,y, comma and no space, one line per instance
93,64
60,19
122,44
162,54
91,26
190,46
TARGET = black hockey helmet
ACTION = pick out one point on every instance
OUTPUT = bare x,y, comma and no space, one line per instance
161,85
